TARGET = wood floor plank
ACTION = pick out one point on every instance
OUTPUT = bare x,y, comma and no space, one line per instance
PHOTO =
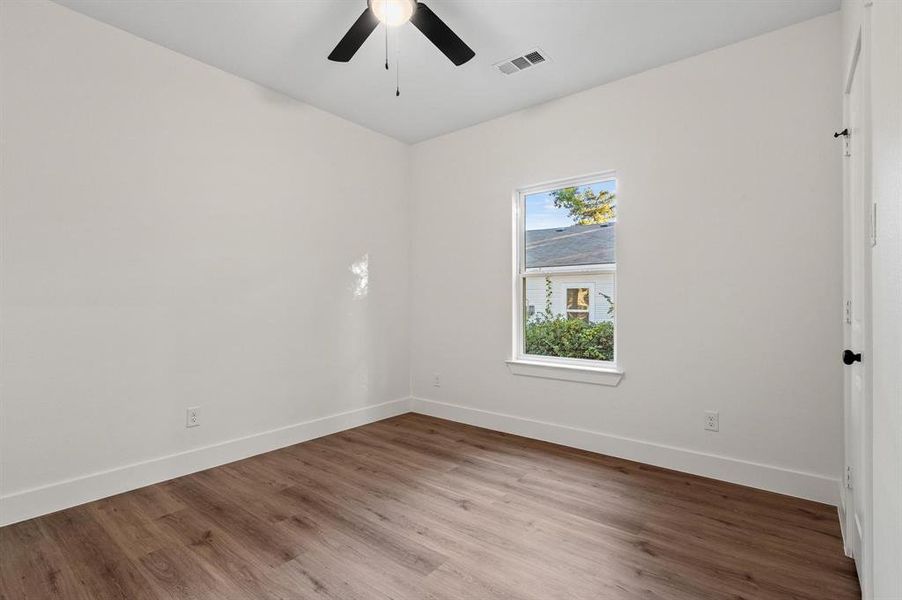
342,566
417,508
102,568
125,522
175,573
243,573
235,517
32,566
388,541
154,501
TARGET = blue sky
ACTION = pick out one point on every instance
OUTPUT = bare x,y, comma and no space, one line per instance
541,213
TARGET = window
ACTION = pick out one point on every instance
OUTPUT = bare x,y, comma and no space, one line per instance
566,267
578,300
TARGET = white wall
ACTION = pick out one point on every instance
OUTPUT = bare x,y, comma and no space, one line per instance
729,263
174,236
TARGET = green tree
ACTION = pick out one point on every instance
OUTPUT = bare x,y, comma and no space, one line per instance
570,338
585,206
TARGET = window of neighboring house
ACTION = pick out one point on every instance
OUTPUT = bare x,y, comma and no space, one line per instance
566,273
578,301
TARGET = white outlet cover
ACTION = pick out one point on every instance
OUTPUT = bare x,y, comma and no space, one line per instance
192,417
712,420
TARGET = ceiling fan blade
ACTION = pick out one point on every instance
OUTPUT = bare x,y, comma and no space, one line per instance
354,38
441,35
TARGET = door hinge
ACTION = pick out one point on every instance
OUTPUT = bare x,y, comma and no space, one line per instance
846,146
873,224
848,312
849,477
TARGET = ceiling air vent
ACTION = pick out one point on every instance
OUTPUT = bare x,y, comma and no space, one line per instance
535,58
508,68
521,63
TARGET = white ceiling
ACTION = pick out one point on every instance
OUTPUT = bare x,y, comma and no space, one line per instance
283,44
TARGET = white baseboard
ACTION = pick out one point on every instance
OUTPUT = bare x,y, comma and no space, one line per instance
766,477
72,492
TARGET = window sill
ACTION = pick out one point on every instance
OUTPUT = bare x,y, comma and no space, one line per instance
581,374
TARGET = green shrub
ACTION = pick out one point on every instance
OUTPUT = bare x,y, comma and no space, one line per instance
570,338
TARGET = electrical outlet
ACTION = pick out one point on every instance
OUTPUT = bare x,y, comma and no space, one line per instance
712,420
436,380
192,417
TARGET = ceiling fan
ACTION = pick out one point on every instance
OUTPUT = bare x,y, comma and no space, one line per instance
397,12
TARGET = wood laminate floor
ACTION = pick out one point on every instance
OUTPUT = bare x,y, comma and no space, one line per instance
419,508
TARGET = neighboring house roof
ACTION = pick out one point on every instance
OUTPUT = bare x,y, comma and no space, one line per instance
567,246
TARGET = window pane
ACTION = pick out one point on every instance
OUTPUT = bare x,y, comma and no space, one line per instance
570,314
571,226
578,298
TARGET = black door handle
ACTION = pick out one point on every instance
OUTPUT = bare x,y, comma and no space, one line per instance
849,357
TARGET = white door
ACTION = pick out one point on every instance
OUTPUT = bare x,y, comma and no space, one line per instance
857,213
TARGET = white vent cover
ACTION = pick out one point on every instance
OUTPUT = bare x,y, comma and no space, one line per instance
521,63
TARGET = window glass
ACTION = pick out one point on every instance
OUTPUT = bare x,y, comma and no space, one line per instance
578,298
568,270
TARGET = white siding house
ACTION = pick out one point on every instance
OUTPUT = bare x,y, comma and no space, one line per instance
575,268
597,286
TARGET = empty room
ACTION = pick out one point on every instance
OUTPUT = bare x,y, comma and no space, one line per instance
450,300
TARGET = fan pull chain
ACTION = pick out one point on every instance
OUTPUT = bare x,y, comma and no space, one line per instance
386,47
398,66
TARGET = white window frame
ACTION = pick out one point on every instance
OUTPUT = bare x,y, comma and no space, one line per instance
552,367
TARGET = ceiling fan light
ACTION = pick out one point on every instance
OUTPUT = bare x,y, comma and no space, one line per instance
393,12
